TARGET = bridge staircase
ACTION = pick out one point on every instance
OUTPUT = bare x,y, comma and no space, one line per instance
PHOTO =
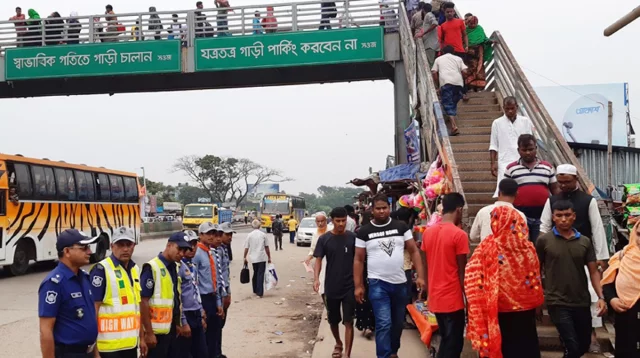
466,156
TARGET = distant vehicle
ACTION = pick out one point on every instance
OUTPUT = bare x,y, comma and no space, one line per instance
40,198
172,206
305,232
196,214
288,206
306,229
238,217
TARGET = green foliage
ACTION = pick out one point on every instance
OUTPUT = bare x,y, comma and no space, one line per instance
330,197
226,179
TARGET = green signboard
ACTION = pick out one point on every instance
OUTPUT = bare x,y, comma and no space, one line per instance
290,49
99,59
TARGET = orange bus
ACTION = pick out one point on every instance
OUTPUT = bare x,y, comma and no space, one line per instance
40,198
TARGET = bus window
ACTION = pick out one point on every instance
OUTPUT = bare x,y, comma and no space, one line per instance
91,186
61,179
117,188
131,190
50,181
104,193
71,185
39,184
25,191
81,181
3,205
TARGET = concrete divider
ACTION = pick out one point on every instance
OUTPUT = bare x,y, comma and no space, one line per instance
163,226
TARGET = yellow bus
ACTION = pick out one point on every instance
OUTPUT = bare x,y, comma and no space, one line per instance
286,205
195,214
40,198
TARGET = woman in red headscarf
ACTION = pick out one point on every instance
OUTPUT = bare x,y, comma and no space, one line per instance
503,288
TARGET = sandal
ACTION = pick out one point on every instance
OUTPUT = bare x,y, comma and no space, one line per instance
337,351
455,132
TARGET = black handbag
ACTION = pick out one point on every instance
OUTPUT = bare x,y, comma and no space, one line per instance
244,274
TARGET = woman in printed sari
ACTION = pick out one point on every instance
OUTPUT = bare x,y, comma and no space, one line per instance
478,53
621,286
502,283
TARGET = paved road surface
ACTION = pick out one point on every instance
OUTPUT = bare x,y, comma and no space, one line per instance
292,309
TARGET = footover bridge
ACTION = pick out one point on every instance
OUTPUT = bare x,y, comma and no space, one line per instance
223,48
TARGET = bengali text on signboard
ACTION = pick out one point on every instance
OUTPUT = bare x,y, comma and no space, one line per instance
290,49
100,59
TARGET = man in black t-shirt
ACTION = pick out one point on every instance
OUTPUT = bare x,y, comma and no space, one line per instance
338,246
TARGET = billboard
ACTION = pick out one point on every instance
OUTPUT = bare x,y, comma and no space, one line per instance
581,112
256,192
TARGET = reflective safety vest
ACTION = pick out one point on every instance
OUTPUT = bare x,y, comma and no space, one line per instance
119,314
161,303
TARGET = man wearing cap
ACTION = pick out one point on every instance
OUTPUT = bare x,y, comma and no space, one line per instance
68,328
160,291
222,256
208,284
588,223
191,335
115,288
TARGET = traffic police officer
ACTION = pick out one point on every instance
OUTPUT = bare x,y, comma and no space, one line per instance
160,305
116,292
191,335
68,327
225,262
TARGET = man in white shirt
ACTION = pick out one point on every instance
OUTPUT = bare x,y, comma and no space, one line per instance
256,246
448,70
504,138
351,222
481,228
588,223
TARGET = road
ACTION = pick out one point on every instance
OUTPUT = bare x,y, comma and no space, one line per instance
282,324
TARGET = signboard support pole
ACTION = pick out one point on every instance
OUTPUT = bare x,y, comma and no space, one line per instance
610,147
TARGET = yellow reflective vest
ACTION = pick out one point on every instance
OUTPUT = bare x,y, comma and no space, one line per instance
161,302
119,314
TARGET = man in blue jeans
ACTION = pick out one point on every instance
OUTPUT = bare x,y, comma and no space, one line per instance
383,242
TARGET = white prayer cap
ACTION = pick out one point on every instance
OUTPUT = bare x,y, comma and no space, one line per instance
567,169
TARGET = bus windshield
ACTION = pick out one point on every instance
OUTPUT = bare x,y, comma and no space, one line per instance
276,207
198,211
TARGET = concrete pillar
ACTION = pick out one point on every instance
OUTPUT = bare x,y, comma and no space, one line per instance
402,112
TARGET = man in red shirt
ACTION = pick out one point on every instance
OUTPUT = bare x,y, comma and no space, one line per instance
454,32
446,247
20,26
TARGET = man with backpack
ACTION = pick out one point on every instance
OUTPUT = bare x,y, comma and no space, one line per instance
277,228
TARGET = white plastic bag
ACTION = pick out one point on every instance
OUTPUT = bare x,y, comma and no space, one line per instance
270,277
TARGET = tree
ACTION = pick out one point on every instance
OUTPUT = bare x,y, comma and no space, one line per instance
190,194
329,198
226,179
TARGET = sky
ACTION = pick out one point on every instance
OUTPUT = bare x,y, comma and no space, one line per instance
315,134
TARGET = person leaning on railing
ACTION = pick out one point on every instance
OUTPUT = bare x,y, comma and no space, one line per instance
21,30
73,29
33,36
54,27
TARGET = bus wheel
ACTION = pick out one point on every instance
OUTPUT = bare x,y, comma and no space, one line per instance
101,250
25,251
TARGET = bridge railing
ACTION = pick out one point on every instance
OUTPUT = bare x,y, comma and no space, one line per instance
188,25
434,132
505,76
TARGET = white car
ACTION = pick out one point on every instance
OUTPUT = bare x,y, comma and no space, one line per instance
306,229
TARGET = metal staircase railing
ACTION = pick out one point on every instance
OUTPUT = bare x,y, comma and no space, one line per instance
505,76
434,134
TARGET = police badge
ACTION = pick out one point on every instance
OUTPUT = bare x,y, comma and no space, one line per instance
79,313
163,272
118,274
